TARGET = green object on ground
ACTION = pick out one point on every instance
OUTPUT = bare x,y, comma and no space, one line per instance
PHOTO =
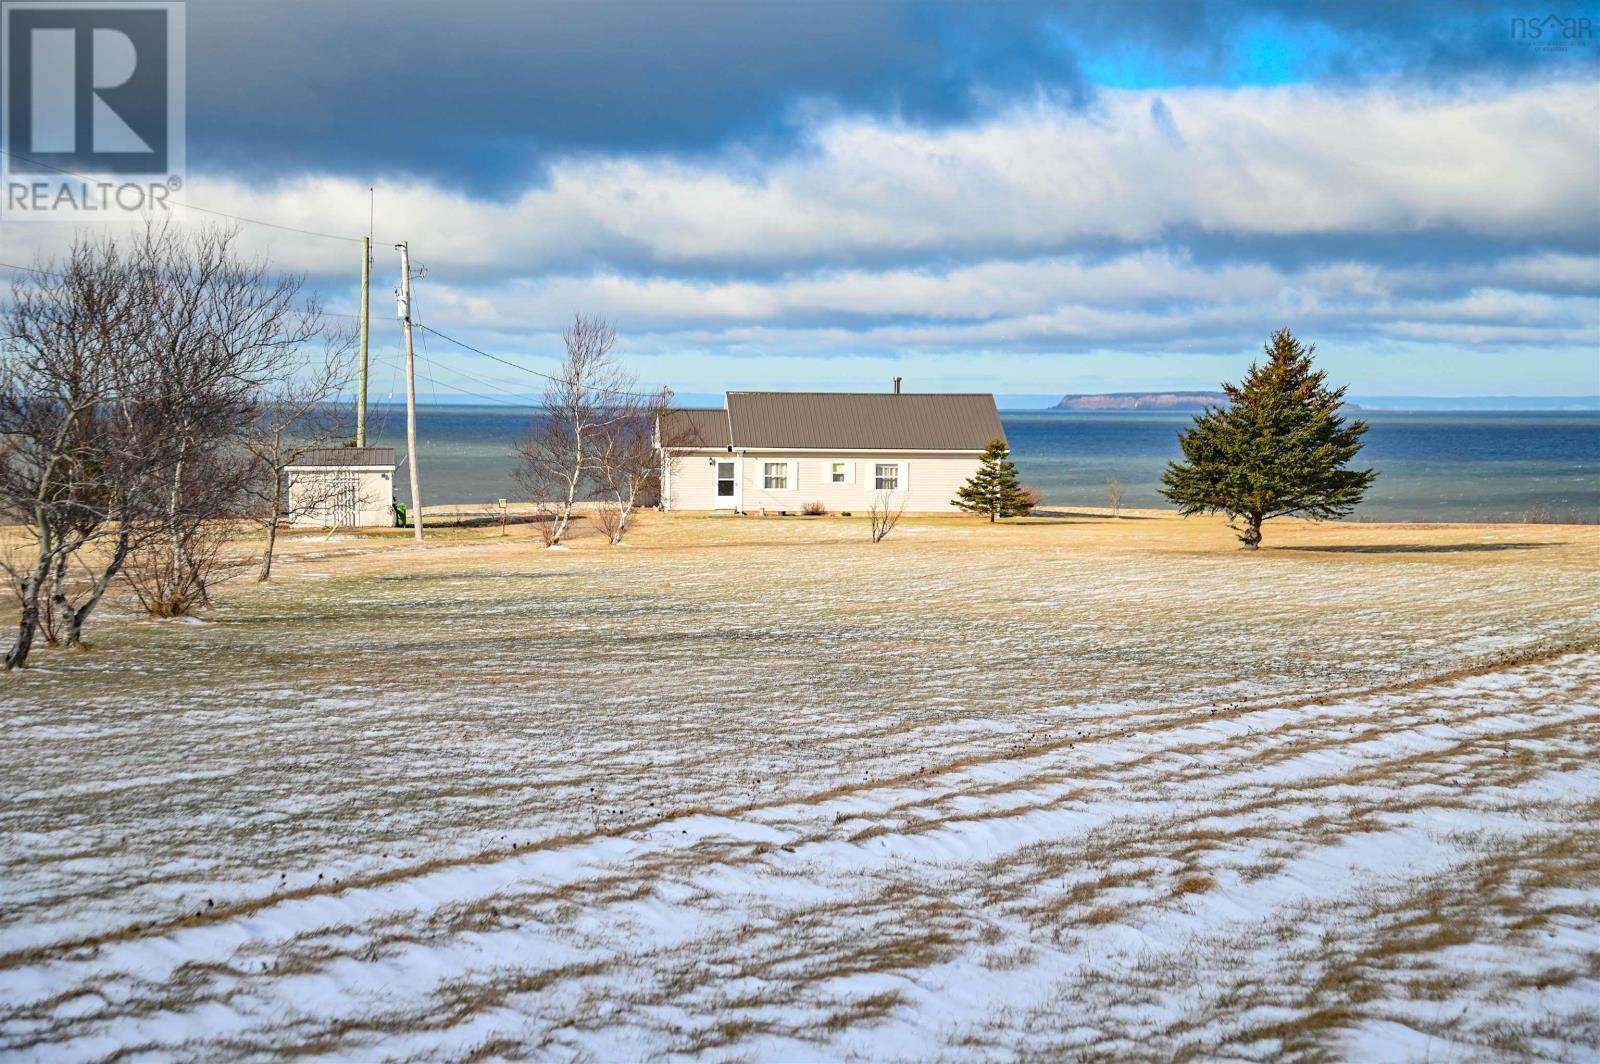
400,515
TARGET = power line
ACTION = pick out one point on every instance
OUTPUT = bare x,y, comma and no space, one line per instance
329,313
349,314
485,354
50,273
428,362
394,370
191,206
525,369
269,225
442,336
428,356
493,385
515,401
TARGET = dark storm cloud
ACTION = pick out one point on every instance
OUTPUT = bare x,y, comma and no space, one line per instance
481,95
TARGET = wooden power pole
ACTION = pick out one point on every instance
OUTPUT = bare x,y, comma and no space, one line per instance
411,391
366,313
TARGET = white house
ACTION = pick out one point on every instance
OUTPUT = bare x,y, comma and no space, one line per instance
781,450
342,487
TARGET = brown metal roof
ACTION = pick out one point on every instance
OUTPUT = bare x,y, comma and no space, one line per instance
695,427
346,456
864,421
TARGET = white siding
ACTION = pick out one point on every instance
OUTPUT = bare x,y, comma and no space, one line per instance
692,480
927,481
373,497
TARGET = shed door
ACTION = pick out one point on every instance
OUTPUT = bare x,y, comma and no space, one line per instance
344,500
725,484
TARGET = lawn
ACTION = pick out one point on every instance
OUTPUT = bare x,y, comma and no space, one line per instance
761,789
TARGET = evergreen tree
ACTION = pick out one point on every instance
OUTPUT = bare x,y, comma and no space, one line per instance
994,489
1278,449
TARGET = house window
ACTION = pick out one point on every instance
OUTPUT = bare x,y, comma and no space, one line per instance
888,476
775,476
838,473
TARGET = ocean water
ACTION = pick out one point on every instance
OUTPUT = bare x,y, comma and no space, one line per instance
1435,466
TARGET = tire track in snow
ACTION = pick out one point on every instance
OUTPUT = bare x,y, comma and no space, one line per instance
1158,719
709,844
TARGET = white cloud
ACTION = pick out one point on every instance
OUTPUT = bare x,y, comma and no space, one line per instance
1504,162
1041,229
1160,298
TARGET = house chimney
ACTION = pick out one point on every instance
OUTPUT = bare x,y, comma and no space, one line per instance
897,386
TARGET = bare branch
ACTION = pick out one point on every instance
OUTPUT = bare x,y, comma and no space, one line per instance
130,376
885,514
586,407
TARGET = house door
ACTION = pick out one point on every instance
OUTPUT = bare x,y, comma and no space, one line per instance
727,486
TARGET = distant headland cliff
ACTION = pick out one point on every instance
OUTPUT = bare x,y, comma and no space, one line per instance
1143,401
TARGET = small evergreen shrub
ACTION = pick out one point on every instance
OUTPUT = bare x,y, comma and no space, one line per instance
994,489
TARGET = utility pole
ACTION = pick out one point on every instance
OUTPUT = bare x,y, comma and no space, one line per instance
411,391
366,313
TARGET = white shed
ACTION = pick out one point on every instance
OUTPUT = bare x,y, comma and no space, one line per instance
342,487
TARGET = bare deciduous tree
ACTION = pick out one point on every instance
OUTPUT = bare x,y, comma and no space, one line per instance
16,560
222,332
624,458
124,374
1114,495
174,573
555,458
607,518
885,513
69,351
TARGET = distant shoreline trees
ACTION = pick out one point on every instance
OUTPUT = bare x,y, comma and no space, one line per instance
1279,449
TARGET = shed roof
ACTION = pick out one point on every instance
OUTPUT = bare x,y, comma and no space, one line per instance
865,421
345,456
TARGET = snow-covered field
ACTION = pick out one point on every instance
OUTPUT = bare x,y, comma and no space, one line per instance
790,796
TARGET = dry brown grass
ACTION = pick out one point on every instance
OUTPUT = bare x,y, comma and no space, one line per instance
388,716
1086,529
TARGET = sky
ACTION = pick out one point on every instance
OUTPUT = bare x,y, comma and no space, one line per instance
1025,198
